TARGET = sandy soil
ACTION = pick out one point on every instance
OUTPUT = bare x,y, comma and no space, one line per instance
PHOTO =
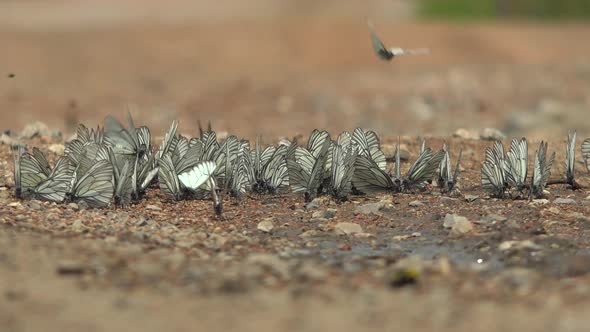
279,71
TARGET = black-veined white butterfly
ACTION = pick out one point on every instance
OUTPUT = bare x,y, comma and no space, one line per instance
343,167
17,151
541,171
447,179
306,171
123,185
92,186
168,179
586,153
267,169
388,54
198,175
30,171
124,141
369,178
237,183
369,146
169,138
493,177
57,184
516,166
422,170
570,160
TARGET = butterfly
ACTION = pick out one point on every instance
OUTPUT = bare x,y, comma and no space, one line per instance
166,145
124,141
447,179
541,171
368,177
516,164
570,160
123,185
586,152
388,54
92,184
422,170
198,175
57,184
168,178
493,177
237,183
343,168
306,171
267,169
17,151
369,146
30,170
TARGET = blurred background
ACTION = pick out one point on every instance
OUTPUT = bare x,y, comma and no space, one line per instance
279,68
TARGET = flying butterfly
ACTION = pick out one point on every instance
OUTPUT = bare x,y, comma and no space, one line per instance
388,54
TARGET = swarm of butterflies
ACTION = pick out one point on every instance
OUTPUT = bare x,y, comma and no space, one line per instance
506,174
115,165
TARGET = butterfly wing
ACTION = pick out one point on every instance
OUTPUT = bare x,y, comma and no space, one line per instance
121,140
198,175
369,177
167,178
378,47
57,184
95,188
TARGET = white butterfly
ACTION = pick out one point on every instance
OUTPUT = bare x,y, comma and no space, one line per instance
198,175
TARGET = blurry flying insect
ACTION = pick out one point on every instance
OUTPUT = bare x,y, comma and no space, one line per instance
388,54
11,75
570,161
541,171
447,179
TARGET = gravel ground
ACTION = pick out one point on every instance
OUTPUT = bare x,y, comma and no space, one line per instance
280,264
